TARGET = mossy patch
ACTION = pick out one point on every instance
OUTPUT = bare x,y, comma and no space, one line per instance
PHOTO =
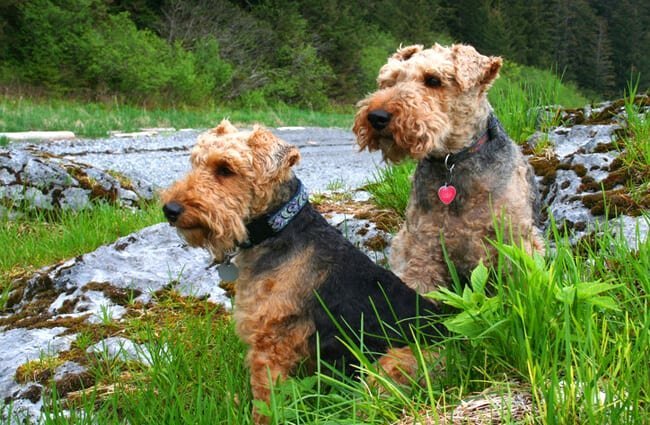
123,180
609,113
32,393
97,191
611,195
376,243
74,382
39,370
616,202
119,296
384,219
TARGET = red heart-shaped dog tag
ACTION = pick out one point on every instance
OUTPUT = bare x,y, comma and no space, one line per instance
447,193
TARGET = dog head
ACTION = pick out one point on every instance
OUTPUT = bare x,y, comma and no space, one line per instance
428,102
234,178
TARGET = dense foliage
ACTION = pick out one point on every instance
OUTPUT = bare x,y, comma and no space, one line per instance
304,52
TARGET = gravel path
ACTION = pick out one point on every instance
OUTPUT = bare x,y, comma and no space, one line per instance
328,155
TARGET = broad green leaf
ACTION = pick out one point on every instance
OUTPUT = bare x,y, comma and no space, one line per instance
464,324
604,302
589,289
566,295
448,297
479,278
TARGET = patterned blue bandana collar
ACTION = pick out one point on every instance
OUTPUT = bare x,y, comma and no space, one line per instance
269,224
280,219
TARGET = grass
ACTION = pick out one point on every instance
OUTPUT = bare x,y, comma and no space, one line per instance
636,144
391,186
572,329
97,119
521,94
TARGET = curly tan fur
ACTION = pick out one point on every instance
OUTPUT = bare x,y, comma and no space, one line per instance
434,103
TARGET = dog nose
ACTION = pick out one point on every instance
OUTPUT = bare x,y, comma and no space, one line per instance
172,211
379,118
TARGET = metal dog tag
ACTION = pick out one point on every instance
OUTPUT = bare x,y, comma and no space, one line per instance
228,272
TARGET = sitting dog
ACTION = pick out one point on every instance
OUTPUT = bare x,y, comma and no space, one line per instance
432,106
298,280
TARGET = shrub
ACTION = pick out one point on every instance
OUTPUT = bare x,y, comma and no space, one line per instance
77,46
302,80
214,71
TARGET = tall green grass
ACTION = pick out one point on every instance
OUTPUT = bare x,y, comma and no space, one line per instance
520,94
97,119
636,143
391,186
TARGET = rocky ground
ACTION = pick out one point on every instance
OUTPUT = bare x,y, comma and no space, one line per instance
48,311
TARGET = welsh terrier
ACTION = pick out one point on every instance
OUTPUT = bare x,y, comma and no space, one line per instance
299,283
432,106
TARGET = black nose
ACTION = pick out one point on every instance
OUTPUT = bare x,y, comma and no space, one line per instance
379,118
172,211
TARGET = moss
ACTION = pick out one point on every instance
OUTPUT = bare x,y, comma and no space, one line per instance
229,287
579,169
384,219
363,231
97,192
605,147
615,202
15,295
39,370
546,168
35,313
74,382
123,180
117,295
377,243
68,306
33,393
607,115
616,178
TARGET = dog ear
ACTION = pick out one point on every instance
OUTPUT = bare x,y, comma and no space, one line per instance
271,154
405,53
287,155
224,127
473,69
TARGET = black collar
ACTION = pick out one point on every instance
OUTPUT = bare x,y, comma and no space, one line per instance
474,147
267,225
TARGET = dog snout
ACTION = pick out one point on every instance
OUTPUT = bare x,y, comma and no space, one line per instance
379,118
172,211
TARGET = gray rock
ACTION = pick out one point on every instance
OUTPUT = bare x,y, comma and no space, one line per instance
587,149
363,234
42,181
68,368
18,347
139,264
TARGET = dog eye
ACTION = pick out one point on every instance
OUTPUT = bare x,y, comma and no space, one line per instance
431,81
224,171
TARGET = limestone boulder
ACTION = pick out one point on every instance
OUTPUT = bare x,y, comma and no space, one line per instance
37,180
